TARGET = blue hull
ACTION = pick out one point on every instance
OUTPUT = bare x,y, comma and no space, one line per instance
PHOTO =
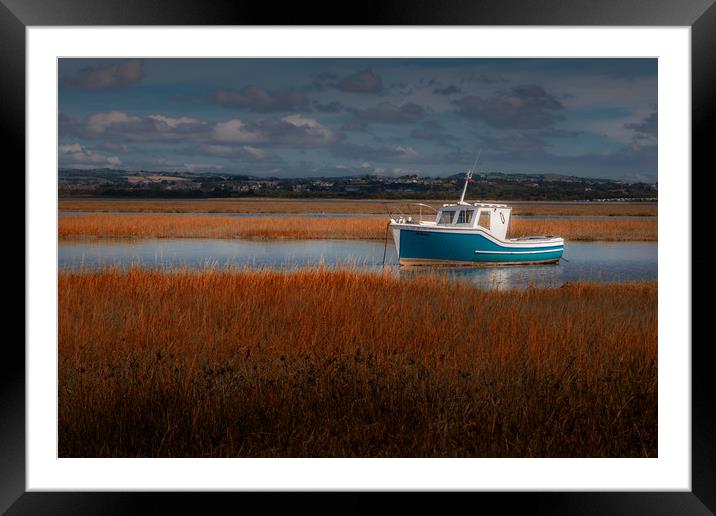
426,247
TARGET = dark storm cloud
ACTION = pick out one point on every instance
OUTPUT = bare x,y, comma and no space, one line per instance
66,126
514,142
118,75
324,79
329,107
260,100
389,113
522,107
231,151
354,125
647,127
524,141
398,153
449,90
433,125
482,78
401,88
633,162
403,154
326,76
365,81
432,130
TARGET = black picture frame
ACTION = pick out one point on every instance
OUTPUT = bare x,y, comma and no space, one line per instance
700,15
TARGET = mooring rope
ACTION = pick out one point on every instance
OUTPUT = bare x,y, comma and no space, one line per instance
385,244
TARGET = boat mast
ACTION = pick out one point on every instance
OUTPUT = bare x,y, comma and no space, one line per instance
468,179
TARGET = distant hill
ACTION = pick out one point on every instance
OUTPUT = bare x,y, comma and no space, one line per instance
175,184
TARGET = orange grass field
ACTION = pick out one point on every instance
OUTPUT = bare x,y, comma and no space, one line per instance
216,226
338,206
321,363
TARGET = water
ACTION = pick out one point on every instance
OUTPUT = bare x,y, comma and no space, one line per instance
588,261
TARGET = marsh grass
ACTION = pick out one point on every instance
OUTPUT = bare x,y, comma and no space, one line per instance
359,228
582,229
337,206
339,363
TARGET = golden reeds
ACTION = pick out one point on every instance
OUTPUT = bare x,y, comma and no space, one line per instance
587,229
207,226
366,228
336,206
339,363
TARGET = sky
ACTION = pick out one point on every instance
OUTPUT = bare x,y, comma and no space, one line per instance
336,117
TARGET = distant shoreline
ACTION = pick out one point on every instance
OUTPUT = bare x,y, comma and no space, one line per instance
66,198
106,183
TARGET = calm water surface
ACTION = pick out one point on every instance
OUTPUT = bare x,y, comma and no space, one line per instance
587,261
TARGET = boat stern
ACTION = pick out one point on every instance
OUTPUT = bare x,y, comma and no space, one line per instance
395,231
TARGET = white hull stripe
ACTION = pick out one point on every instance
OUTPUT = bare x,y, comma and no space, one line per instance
521,252
482,232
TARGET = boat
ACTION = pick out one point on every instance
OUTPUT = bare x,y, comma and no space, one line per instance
467,234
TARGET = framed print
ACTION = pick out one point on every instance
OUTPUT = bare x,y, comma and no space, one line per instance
227,292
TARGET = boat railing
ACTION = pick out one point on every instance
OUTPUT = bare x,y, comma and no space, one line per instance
411,212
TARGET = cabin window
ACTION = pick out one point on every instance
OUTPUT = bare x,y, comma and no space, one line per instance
446,217
484,219
464,216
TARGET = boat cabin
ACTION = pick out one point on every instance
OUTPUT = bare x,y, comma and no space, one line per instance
495,218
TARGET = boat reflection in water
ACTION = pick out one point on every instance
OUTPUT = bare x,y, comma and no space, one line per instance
494,278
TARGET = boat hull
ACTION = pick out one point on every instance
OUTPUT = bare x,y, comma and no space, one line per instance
438,247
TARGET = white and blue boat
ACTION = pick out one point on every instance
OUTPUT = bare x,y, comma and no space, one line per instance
468,234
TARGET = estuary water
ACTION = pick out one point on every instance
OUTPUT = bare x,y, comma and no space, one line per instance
585,261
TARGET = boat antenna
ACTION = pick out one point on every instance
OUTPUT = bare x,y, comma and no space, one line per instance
468,178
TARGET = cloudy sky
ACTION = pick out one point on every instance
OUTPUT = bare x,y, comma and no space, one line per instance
331,117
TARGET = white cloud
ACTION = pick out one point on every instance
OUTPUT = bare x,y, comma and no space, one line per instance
119,126
312,128
99,122
407,153
255,152
292,130
174,122
77,156
229,151
235,131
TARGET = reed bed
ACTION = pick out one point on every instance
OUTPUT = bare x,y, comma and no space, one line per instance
197,226
359,228
588,210
337,206
588,230
337,363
